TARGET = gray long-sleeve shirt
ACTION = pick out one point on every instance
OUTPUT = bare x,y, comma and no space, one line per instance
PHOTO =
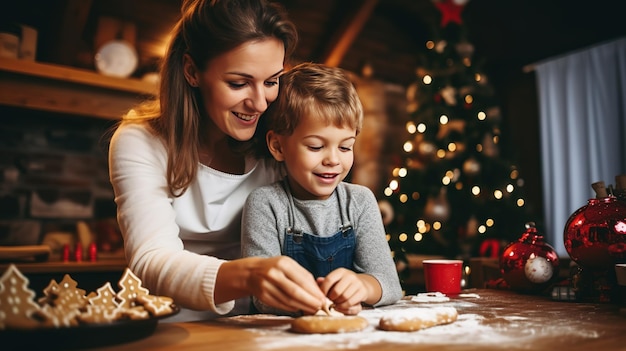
266,216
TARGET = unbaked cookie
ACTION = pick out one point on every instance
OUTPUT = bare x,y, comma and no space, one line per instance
417,318
325,324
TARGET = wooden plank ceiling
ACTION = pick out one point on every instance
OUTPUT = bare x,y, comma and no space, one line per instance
344,33
387,34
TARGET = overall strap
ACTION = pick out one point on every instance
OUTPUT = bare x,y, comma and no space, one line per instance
292,215
343,210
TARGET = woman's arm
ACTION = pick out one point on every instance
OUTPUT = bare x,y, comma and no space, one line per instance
153,248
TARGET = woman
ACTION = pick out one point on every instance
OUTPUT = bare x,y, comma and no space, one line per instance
183,165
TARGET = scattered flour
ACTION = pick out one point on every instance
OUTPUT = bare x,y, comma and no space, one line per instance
472,295
503,331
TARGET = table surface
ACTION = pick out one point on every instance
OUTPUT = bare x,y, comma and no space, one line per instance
489,319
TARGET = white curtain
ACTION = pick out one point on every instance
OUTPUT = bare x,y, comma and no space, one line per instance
582,110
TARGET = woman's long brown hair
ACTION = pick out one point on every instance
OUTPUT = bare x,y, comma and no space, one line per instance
206,29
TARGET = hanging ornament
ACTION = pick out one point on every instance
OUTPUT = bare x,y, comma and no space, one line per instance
413,163
412,106
529,264
490,148
471,227
465,49
437,98
448,93
450,11
420,72
465,90
426,148
493,113
440,46
471,167
460,147
437,208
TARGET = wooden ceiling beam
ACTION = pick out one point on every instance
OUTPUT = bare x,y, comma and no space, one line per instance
344,38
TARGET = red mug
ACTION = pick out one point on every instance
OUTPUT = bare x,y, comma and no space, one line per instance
443,276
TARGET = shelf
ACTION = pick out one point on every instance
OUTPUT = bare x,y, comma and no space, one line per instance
102,265
61,89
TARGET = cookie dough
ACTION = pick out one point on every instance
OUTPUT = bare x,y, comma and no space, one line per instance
327,324
417,318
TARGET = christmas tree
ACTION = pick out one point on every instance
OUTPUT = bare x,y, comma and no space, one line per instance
451,192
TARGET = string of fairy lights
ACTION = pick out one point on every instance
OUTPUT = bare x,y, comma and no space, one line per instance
451,177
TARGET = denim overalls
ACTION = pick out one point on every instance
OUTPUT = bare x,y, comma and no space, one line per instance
320,255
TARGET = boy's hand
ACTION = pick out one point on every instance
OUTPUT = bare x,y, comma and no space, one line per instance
346,289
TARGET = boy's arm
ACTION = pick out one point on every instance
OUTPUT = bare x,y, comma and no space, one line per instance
259,234
373,255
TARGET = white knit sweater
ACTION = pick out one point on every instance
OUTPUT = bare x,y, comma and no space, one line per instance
177,244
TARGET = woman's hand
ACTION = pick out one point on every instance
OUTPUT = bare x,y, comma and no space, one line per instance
282,283
348,290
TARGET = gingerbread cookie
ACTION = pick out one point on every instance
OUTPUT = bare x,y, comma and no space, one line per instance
325,324
104,297
418,318
57,317
156,305
130,288
65,305
17,305
103,306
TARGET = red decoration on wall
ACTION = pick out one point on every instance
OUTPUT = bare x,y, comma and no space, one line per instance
490,248
450,12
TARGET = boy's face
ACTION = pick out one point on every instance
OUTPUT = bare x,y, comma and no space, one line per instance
317,157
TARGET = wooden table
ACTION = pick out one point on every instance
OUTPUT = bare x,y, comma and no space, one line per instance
488,320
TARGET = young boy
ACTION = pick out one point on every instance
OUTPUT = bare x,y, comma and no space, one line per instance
331,227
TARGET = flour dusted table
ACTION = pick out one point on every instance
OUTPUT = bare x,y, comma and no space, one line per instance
488,320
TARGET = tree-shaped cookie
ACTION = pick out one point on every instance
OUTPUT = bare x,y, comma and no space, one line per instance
103,306
130,289
70,297
50,293
62,303
104,297
17,305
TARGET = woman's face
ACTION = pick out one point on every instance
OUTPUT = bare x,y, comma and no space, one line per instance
238,86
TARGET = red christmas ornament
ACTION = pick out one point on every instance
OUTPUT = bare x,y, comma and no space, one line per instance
529,264
450,12
595,234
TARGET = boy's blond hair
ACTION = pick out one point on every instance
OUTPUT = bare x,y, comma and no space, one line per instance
315,90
